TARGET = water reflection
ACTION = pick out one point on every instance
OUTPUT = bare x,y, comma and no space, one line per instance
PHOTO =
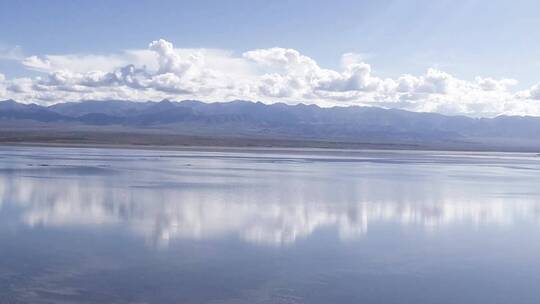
261,202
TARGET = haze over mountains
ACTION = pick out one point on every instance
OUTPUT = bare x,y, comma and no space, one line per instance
254,123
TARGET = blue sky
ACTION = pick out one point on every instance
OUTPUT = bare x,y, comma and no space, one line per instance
466,39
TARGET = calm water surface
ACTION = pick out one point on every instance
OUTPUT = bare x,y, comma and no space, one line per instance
131,226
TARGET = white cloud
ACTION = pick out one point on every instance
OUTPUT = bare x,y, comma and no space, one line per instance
534,92
294,75
170,61
36,63
2,86
490,84
270,75
352,58
78,63
13,53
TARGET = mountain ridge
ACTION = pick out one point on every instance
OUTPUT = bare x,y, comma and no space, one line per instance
257,120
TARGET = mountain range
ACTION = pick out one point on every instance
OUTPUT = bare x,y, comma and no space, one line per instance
255,123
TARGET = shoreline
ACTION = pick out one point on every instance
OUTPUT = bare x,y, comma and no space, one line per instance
269,146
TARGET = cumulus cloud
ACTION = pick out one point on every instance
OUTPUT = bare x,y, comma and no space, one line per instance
534,92
269,75
296,75
490,84
169,60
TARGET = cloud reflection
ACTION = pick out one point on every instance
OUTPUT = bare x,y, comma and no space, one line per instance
162,215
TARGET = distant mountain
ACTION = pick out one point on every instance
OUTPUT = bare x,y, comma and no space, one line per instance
256,120
113,108
10,109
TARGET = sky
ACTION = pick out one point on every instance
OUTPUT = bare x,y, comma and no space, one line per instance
465,57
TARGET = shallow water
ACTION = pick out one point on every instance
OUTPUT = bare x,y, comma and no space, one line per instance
268,226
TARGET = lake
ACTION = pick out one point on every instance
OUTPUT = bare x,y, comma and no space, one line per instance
81,225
